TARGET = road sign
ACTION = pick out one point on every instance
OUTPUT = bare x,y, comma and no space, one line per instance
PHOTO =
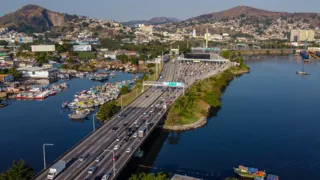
172,84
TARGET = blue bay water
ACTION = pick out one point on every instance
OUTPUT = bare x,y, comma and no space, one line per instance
27,125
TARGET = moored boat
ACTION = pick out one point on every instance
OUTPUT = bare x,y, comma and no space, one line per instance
78,116
304,54
249,172
302,73
64,104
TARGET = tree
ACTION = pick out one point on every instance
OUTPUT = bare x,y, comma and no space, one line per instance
3,43
125,89
18,171
41,57
85,24
151,176
107,110
144,77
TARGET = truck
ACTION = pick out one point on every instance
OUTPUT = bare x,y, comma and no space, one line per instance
142,131
56,169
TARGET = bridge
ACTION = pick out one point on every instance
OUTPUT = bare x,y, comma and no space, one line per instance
145,111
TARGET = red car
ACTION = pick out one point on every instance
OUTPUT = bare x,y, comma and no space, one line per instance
116,157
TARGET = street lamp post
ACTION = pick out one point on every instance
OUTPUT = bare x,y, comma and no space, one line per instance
93,122
44,153
114,170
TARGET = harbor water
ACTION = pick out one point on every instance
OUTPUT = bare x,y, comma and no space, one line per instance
269,119
27,125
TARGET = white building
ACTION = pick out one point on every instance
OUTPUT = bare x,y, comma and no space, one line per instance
38,72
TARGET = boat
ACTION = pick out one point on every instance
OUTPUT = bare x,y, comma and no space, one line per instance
318,53
52,93
78,116
30,96
249,172
304,54
72,105
64,104
34,90
302,73
19,96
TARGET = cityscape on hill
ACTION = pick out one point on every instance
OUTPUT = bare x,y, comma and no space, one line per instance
229,95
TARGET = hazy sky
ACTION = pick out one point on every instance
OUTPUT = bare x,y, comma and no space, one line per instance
124,10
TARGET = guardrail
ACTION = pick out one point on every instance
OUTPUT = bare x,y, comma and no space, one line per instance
87,136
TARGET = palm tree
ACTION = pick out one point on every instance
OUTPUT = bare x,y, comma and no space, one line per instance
18,171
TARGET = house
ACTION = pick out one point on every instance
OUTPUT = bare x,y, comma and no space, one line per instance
110,54
6,77
39,72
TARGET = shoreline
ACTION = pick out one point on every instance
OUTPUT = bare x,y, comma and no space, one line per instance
202,120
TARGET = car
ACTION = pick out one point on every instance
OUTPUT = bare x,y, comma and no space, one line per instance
128,129
92,169
152,106
99,158
82,158
147,96
106,176
137,125
145,113
135,122
129,133
159,113
116,147
116,157
135,135
125,124
121,115
118,139
129,150
115,128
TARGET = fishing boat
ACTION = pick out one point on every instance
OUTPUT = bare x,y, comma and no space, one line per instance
304,54
34,90
249,172
64,104
52,93
30,96
78,116
302,73
72,105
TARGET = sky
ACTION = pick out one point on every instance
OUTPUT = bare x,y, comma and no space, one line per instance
125,10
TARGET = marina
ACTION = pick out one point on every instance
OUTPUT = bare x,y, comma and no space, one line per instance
46,121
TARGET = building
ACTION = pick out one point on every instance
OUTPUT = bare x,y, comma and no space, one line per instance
302,35
146,29
6,77
43,48
24,40
39,72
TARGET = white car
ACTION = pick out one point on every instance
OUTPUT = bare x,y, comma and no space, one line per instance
116,147
129,150
106,176
135,135
135,122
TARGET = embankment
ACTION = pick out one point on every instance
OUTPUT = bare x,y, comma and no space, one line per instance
191,110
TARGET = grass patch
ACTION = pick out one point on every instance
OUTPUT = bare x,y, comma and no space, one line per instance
86,55
200,97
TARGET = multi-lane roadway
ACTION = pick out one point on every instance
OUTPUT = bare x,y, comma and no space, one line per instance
102,141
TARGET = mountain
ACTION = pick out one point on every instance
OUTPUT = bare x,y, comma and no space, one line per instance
250,11
153,21
33,18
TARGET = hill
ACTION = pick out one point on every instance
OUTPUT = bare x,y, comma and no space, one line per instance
250,11
33,18
153,21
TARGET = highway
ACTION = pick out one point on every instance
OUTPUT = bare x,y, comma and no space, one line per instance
105,137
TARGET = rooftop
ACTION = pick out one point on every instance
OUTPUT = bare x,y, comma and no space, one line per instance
36,69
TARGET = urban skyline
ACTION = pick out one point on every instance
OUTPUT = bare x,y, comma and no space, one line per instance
135,10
